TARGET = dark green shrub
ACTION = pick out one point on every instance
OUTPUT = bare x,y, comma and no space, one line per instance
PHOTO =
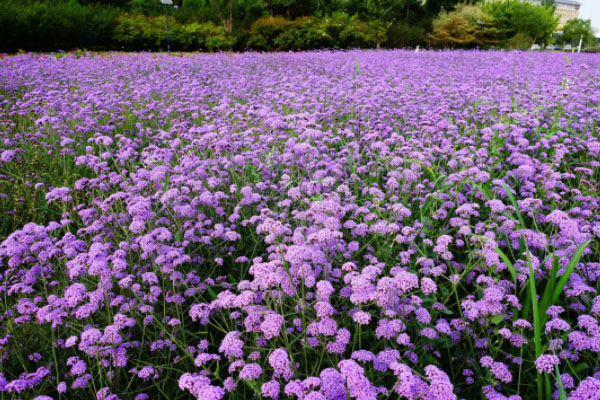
520,41
347,32
402,35
139,32
152,8
339,31
304,33
53,26
208,36
264,31
136,31
242,36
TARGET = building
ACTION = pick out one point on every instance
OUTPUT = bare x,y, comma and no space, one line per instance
567,10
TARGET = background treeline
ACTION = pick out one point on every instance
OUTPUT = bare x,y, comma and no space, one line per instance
50,25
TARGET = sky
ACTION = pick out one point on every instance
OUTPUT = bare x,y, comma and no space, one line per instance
590,9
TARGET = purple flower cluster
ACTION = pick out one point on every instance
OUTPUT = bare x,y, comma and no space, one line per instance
285,226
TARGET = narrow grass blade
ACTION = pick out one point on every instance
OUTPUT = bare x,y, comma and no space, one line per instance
509,264
570,268
537,328
548,291
514,204
562,395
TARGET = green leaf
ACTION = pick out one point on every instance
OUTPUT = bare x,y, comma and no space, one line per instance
212,293
570,268
537,328
581,367
509,264
545,302
562,395
496,319
514,204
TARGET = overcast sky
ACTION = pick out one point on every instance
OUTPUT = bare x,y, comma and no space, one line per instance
590,9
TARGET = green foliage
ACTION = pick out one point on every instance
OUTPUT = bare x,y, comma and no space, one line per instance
34,26
520,41
137,31
264,32
348,32
50,25
434,7
512,17
194,11
383,10
453,30
401,35
377,31
291,9
511,23
146,7
393,11
578,29
337,31
209,36
467,26
40,166
305,33
248,11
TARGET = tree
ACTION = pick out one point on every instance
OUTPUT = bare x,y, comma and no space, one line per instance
226,19
484,28
285,4
146,7
291,9
388,11
466,26
536,21
401,35
434,7
451,30
384,13
576,30
514,17
325,8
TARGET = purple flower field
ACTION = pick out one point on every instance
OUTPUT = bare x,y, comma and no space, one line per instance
321,225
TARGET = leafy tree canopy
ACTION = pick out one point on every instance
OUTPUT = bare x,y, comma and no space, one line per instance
578,29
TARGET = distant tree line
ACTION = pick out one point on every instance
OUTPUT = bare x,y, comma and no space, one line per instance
269,25
507,24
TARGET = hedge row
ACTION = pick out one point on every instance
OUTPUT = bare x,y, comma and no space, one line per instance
33,26
276,33
139,32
